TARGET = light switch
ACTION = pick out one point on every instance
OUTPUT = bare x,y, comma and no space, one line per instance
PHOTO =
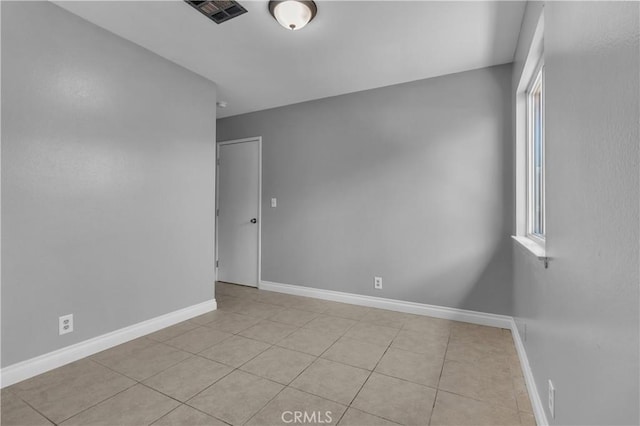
274,202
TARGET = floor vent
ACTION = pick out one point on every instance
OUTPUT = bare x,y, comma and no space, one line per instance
218,11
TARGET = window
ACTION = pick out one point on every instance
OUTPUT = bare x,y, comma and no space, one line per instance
535,157
531,227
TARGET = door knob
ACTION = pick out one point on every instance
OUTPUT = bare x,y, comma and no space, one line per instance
254,220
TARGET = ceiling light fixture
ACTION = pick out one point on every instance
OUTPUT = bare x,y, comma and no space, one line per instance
293,14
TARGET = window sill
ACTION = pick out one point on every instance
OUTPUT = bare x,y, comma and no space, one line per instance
532,248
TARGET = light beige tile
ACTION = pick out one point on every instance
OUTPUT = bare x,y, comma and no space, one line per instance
232,304
527,419
331,380
294,317
515,366
311,304
15,412
344,310
141,358
355,353
411,366
235,351
355,417
299,300
471,342
507,332
209,316
278,364
236,397
187,416
125,349
138,405
428,326
385,318
65,391
173,331
308,340
396,400
258,309
456,410
268,331
483,354
187,378
489,385
274,298
331,324
371,333
282,409
221,287
233,323
478,333
522,395
433,346
198,339
485,340
220,297
236,290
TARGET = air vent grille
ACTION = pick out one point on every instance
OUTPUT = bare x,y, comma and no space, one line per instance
218,11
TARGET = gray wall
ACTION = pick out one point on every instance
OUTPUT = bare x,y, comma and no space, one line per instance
581,314
410,182
107,181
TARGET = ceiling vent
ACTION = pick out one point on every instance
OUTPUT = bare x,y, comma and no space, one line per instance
218,11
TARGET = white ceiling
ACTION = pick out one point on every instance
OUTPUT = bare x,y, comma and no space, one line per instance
349,46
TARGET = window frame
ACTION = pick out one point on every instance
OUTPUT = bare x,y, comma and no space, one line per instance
527,70
537,79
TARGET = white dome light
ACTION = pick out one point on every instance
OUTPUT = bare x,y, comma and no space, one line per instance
293,14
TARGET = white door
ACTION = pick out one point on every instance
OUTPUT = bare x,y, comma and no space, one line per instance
239,211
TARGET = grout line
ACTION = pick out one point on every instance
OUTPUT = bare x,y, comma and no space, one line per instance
112,370
35,409
204,412
98,403
368,377
166,414
228,374
372,371
493,404
233,369
281,390
444,359
154,343
355,322
166,369
180,403
249,296
196,353
404,380
174,398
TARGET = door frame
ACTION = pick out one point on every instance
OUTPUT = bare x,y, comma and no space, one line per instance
232,142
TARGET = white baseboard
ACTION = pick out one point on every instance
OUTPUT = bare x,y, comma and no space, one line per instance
32,367
481,318
492,320
534,396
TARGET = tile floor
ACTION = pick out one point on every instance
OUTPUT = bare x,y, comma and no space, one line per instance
262,354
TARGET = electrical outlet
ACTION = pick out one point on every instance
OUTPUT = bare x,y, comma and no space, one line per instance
274,202
377,283
65,324
552,400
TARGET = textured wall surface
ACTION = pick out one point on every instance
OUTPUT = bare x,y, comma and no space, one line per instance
581,314
409,182
108,158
